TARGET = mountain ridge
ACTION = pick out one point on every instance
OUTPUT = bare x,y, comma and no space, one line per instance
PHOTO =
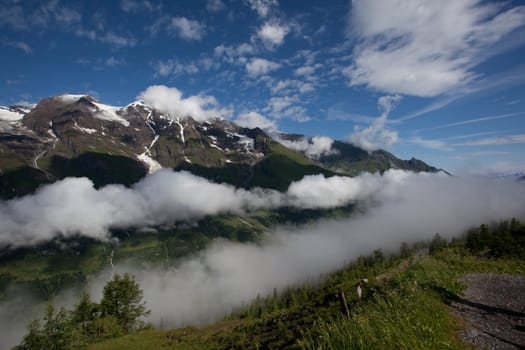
77,135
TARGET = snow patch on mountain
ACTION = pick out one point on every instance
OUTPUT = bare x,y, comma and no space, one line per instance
146,158
10,115
109,113
86,130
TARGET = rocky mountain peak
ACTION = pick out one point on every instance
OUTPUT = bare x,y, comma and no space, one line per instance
77,135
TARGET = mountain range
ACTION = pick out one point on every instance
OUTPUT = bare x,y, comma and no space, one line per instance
76,135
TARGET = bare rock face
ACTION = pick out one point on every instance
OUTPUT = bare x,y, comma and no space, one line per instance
71,125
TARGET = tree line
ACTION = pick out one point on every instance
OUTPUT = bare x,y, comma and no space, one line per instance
506,238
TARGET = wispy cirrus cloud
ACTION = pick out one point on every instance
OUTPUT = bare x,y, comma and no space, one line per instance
431,144
423,48
475,120
20,45
497,140
377,135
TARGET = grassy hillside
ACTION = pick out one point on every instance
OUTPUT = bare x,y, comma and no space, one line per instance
404,306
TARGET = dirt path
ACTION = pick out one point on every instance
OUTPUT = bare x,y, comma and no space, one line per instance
494,308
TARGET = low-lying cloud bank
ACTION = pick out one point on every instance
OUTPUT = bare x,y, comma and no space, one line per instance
397,206
74,207
406,207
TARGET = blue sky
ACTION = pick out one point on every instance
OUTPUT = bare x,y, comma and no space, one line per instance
439,80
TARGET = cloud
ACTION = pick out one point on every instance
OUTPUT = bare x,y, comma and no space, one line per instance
272,34
313,147
170,100
376,135
276,105
188,29
111,38
20,45
114,62
137,6
424,48
215,5
172,67
495,141
432,144
205,288
41,16
235,55
388,103
262,7
304,71
255,120
260,66
290,86
476,120
73,206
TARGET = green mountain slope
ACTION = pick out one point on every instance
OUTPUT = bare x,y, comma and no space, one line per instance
354,160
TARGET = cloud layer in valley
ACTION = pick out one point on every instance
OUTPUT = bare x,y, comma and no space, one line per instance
405,207
393,207
73,206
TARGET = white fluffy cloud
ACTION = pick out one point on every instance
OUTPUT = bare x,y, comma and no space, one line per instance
73,206
255,120
188,29
423,48
272,34
260,66
169,100
314,147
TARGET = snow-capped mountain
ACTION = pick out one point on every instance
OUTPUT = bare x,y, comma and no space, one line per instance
76,135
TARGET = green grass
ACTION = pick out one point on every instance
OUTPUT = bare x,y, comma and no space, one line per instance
403,318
